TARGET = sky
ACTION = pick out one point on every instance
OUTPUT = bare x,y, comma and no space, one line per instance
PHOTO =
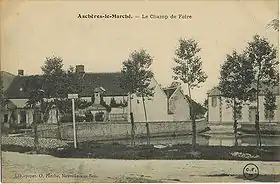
34,30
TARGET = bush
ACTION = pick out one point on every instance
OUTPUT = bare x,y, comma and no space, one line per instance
244,155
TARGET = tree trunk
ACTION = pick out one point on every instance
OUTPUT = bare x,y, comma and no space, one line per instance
146,119
257,119
132,123
36,139
193,134
192,114
58,126
235,122
35,128
132,129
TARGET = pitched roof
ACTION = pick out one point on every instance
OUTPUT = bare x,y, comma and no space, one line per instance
169,91
21,86
216,92
6,79
19,103
109,81
198,108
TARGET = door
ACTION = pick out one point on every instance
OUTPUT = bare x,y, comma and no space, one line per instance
252,114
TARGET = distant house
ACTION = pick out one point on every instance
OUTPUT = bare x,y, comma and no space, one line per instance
220,114
104,88
95,86
6,79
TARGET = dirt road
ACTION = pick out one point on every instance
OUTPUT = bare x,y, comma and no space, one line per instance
25,168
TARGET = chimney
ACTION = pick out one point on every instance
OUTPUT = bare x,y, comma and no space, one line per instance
20,72
80,68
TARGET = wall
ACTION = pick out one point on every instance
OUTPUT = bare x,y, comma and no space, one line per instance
103,131
264,126
181,107
214,112
107,99
119,110
156,106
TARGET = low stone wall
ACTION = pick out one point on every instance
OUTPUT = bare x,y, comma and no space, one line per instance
118,130
246,127
264,126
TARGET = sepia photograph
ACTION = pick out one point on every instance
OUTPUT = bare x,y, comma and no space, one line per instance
141,91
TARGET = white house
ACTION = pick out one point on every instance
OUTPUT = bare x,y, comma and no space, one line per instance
168,104
220,114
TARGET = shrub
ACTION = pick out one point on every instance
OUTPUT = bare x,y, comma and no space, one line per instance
244,155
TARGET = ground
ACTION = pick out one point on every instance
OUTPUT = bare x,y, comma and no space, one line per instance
19,167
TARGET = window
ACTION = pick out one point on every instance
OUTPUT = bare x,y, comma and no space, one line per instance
214,101
5,118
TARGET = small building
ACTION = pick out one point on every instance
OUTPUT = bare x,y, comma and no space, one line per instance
220,115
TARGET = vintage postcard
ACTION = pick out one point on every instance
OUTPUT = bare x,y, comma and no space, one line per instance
140,91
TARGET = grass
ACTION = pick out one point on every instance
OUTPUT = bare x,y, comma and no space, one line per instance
92,149
181,151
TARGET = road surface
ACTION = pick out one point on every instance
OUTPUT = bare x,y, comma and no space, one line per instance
26,168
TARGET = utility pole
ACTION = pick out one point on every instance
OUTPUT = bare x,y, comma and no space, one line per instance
73,97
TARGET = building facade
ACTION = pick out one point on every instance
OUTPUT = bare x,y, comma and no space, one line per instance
220,114
105,87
